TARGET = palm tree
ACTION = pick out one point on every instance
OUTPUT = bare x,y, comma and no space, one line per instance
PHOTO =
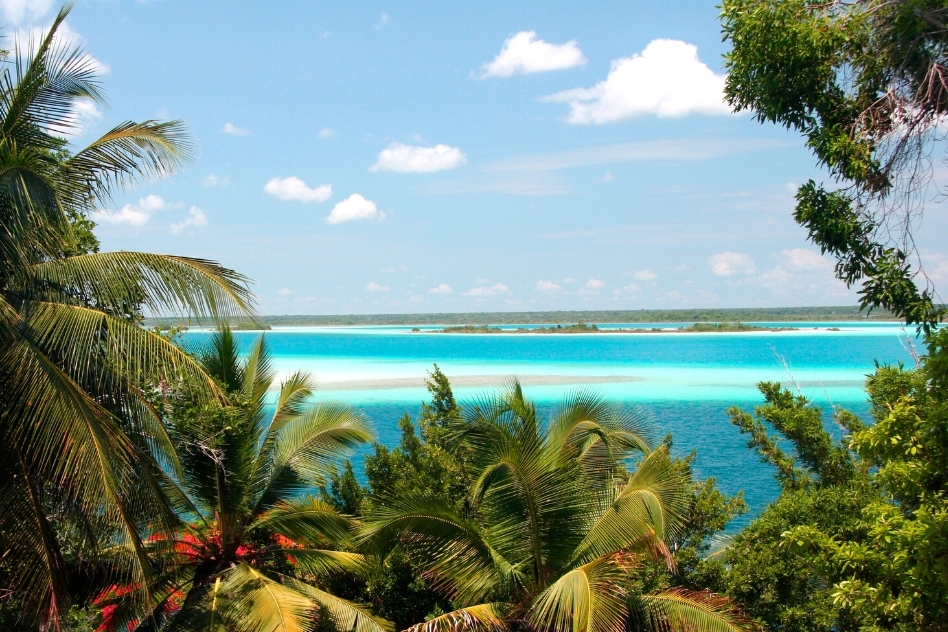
556,527
249,532
76,427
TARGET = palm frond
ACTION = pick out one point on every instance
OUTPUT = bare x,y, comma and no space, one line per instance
590,598
682,610
485,617
345,615
306,447
305,519
459,558
161,283
650,506
123,156
50,75
250,600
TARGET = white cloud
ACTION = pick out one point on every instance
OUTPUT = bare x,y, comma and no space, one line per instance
376,287
213,180
196,219
136,214
383,20
804,260
414,159
485,290
285,291
233,130
352,208
805,275
568,280
607,177
522,53
293,189
18,11
631,288
726,264
326,133
441,288
593,286
645,275
548,286
666,79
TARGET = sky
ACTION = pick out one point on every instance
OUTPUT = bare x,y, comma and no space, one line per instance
386,157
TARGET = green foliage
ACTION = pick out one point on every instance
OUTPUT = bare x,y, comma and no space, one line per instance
550,529
864,82
250,545
858,540
77,433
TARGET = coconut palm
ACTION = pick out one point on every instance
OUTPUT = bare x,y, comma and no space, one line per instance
75,424
250,535
557,524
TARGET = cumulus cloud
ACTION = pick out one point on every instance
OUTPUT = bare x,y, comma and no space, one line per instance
666,79
631,288
233,130
727,264
195,219
645,275
805,275
285,292
523,54
18,11
293,189
137,214
372,286
548,286
84,115
326,133
441,288
353,208
593,286
415,159
488,290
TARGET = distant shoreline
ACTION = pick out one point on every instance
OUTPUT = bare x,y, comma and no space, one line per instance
757,315
583,328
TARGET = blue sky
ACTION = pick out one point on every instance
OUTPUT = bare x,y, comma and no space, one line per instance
453,156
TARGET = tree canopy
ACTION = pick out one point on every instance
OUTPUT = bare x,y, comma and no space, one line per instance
866,83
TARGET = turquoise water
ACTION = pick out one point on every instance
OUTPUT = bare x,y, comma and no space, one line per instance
684,382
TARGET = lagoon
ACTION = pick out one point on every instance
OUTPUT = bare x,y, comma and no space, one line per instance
683,382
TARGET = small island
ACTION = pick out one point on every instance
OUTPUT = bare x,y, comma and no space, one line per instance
584,328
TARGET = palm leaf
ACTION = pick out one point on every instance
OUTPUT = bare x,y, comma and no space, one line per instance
485,617
682,610
345,614
162,283
650,507
123,156
305,519
590,598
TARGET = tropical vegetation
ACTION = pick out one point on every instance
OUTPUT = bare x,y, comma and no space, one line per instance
554,523
76,429
248,535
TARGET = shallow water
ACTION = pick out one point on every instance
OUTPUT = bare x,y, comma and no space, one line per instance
684,382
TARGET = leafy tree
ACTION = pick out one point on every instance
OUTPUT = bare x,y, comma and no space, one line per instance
553,526
866,82
249,535
76,430
857,539
394,583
